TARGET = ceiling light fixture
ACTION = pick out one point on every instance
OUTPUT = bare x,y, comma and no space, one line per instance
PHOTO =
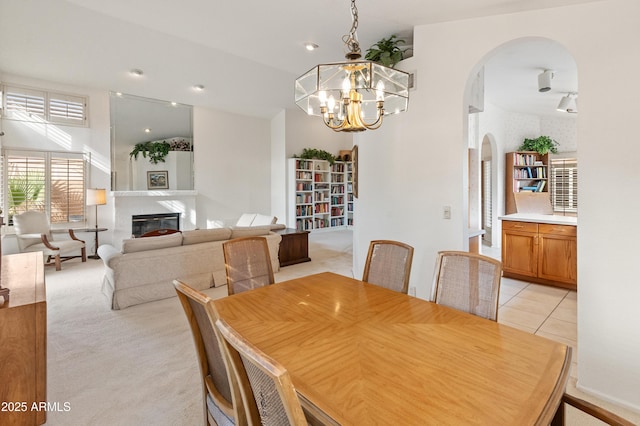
352,96
198,87
136,72
147,130
310,46
569,103
544,81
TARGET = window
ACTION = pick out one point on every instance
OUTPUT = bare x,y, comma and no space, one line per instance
38,105
564,185
50,182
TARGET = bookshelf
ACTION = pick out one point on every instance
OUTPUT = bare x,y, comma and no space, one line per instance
319,194
525,171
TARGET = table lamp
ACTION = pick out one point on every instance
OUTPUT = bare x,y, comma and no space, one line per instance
96,197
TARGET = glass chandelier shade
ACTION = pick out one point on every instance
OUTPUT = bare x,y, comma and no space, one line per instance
354,95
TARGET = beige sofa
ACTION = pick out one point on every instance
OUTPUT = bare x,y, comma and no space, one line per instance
145,268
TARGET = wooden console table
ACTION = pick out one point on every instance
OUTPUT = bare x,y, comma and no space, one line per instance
294,247
23,340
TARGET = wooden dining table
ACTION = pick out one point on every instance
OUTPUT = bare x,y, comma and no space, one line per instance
359,354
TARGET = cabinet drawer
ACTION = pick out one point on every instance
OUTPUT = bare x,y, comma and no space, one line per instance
567,230
508,225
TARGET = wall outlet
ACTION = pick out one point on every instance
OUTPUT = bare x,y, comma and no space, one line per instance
446,212
412,291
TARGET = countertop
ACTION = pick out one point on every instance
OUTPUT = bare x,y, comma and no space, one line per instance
541,218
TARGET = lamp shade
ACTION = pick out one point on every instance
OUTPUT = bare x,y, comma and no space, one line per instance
96,197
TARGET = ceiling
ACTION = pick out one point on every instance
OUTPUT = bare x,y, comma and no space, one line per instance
247,54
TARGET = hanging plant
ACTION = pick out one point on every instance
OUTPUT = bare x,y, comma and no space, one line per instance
156,151
386,51
541,145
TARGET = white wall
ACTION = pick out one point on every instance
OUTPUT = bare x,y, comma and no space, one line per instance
232,166
416,163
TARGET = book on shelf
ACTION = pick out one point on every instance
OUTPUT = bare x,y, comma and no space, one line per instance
541,185
529,188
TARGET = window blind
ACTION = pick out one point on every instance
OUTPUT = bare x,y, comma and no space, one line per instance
50,182
37,105
564,185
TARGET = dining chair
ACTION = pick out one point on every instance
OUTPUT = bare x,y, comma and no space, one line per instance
589,408
267,391
222,400
468,282
247,264
388,265
33,232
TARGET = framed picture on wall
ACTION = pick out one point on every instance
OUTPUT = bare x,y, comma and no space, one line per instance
354,158
158,179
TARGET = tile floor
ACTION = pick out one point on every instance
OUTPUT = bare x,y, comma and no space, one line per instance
542,310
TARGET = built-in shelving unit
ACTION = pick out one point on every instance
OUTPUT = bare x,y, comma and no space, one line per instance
525,171
319,194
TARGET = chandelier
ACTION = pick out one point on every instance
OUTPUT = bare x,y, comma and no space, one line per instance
352,96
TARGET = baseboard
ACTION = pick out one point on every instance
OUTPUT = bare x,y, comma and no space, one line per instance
607,398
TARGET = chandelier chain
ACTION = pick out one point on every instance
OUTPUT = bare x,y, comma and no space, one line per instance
351,39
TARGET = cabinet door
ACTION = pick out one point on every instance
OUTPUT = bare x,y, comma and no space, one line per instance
557,258
520,252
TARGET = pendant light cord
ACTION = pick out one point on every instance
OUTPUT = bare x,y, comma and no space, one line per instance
351,39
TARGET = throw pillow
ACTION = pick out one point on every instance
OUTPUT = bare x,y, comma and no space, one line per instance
262,220
246,219
151,243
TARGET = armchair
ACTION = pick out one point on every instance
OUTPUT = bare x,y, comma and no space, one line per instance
33,233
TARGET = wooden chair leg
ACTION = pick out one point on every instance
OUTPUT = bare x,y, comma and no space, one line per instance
58,265
84,254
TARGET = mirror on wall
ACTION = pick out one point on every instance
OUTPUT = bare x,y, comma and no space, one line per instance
161,133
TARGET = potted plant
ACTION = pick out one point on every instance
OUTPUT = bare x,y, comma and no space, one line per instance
318,154
157,151
386,51
542,145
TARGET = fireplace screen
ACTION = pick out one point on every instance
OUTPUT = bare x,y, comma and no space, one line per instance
143,223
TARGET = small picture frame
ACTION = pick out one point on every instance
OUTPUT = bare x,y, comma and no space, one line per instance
158,179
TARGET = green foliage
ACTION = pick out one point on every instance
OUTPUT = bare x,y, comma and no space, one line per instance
25,188
386,51
157,151
318,154
541,145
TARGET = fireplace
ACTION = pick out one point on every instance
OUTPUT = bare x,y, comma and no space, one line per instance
142,223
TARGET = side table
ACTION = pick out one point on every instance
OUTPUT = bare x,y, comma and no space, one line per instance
96,230
294,247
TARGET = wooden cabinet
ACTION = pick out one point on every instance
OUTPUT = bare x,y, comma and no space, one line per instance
540,252
557,253
294,247
524,171
520,248
23,340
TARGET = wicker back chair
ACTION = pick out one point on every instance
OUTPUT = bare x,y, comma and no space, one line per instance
222,400
247,263
389,265
468,282
267,391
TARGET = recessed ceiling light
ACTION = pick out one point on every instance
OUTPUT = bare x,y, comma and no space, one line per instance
310,46
174,103
147,130
136,72
198,87
118,93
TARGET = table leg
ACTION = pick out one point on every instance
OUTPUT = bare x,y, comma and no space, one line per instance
95,249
